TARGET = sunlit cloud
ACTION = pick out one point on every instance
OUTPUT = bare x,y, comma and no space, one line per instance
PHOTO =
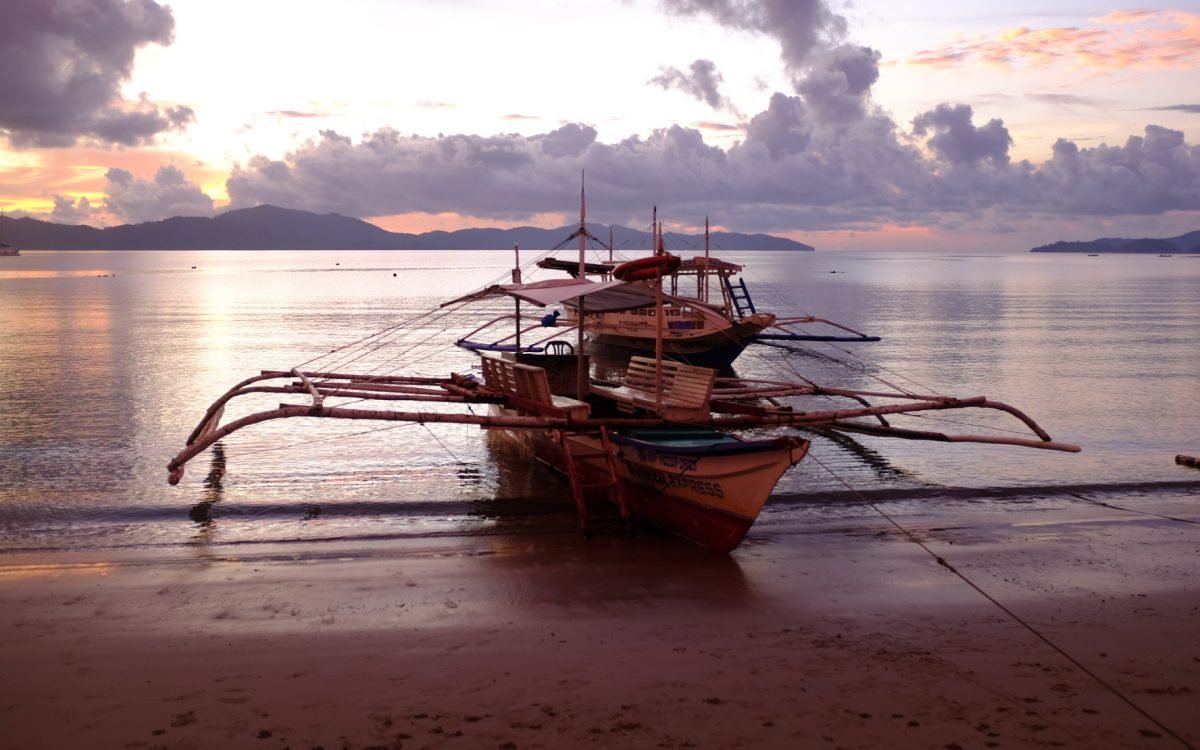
1122,40
292,114
1067,100
83,188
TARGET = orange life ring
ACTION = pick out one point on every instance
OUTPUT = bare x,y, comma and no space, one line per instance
644,269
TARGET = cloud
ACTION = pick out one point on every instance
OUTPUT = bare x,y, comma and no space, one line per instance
795,169
955,139
63,64
293,114
1116,42
170,193
801,26
1150,174
823,156
67,211
1067,100
703,82
838,85
1191,108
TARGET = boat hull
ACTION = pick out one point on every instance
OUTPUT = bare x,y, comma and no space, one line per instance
690,335
711,496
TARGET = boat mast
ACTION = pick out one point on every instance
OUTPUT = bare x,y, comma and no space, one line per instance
654,231
658,317
581,373
582,224
516,277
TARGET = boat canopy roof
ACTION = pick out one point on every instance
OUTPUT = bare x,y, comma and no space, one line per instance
599,296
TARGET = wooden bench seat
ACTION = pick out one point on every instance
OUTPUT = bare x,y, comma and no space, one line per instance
686,389
529,389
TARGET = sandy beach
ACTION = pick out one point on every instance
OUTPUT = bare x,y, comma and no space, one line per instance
831,635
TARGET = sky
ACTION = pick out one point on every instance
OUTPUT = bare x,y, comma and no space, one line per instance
866,125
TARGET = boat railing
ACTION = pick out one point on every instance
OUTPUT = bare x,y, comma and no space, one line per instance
786,331
499,345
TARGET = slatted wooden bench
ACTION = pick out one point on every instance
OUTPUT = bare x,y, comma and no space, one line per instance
686,389
529,388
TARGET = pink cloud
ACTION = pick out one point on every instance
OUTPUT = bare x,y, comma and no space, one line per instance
1140,39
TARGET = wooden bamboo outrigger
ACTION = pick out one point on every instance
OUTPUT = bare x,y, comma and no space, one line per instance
664,444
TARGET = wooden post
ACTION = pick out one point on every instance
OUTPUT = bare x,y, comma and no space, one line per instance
516,277
658,330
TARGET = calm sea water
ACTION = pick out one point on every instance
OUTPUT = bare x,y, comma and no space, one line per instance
108,359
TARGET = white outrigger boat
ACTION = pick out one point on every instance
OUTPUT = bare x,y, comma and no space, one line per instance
710,316
668,443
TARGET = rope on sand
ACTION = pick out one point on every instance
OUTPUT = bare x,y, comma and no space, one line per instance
1103,504
1012,615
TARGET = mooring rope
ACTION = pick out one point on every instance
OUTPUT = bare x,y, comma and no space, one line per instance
1103,504
1011,614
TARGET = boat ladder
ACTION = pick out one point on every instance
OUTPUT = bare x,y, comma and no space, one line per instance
739,295
575,452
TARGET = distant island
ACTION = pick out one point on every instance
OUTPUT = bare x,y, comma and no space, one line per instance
1183,244
273,228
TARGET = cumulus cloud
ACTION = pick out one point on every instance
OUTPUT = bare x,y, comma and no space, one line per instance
170,193
68,211
801,26
777,178
63,64
824,156
838,85
703,81
955,138
1150,174
793,170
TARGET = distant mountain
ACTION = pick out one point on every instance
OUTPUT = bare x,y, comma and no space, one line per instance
273,228
1184,243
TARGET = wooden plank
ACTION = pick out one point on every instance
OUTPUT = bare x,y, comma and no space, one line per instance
686,389
528,388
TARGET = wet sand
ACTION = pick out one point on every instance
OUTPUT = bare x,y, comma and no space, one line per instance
836,634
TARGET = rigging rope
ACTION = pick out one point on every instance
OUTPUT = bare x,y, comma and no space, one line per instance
1011,614
1103,504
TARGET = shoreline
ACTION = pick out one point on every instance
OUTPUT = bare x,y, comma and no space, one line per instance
841,634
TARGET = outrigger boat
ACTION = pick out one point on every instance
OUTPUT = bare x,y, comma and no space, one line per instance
711,318
669,444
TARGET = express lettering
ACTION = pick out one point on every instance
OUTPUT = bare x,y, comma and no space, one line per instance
662,480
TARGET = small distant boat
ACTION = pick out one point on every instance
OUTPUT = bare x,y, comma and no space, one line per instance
1093,255
5,248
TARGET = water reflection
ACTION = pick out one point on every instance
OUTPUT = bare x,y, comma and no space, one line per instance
880,465
214,489
104,376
